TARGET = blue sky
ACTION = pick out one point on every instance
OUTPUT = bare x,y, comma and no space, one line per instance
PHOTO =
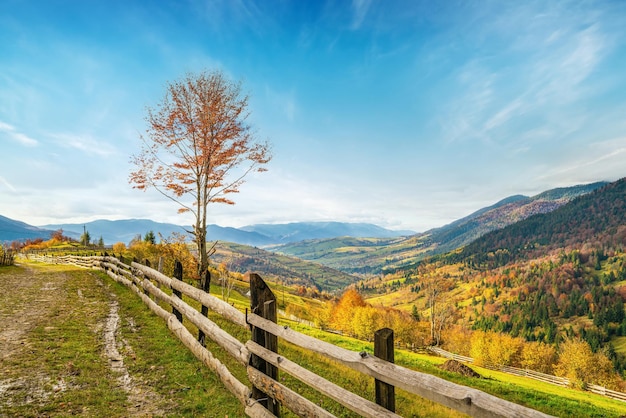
406,114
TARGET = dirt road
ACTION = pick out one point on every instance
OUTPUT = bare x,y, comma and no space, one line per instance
61,352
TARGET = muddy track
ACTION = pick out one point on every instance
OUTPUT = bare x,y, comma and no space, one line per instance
35,303
143,401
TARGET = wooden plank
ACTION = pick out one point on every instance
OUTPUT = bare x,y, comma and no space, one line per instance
461,398
296,403
343,396
213,303
232,345
256,410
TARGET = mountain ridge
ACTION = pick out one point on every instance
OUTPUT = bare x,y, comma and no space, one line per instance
127,229
369,257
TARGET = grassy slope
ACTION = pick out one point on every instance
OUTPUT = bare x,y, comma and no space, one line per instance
166,367
65,361
361,255
292,270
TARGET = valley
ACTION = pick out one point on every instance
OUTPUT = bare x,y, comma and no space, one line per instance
535,274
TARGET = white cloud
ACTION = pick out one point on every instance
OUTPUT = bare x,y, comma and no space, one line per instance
17,136
6,184
86,144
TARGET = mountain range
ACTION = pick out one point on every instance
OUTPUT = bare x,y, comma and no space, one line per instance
317,240
255,235
372,256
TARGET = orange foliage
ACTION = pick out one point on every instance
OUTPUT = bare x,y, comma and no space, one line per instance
343,311
196,142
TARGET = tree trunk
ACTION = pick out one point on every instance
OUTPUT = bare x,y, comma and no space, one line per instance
203,259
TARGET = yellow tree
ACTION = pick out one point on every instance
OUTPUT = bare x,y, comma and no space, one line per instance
343,312
581,365
538,356
364,322
198,148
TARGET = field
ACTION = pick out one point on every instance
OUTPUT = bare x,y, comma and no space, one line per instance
57,356
64,352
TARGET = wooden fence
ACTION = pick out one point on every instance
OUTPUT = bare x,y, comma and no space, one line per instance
548,378
6,257
259,355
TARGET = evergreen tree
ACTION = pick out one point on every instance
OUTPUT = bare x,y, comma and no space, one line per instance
150,238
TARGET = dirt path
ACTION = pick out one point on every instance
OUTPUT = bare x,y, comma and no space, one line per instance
142,399
60,347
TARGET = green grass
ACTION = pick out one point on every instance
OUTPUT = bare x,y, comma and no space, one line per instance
551,399
619,343
188,388
169,368
63,370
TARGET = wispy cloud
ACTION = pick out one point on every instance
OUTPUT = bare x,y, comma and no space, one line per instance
17,136
86,144
599,161
555,59
359,11
6,184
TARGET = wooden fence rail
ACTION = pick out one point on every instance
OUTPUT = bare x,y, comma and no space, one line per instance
548,378
263,363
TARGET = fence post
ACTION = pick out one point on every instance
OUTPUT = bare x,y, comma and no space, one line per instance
263,303
178,274
145,291
383,349
205,284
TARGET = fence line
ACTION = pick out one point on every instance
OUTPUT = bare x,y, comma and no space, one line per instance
259,354
548,378
7,257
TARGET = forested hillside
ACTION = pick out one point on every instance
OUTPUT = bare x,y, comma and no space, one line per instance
597,219
367,256
282,268
551,279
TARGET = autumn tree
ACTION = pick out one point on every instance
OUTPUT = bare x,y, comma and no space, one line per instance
198,148
119,248
538,356
343,312
227,281
434,285
581,365
58,236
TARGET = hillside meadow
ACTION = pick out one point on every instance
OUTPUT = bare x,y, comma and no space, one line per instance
144,361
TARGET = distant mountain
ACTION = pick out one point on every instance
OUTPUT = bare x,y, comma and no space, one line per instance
117,231
126,230
384,254
506,212
300,231
12,230
597,218
255,235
